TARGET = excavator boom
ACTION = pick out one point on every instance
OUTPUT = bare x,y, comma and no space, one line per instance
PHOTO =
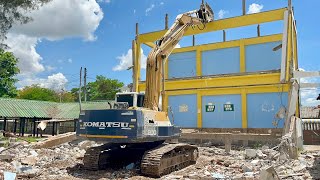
165,46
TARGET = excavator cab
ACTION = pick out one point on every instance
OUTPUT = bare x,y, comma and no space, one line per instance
132,99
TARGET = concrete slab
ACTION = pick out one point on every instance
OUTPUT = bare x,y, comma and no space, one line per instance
56,140
311,148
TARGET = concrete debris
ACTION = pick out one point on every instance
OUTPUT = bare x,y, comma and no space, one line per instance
86,144
246,168
250,153
255,162
64,161
260,154
217,176
30,160
268,173
6,157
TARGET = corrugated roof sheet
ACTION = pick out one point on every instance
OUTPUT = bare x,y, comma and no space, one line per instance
12,108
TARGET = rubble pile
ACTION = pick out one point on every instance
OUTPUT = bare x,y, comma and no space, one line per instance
65,162
214,163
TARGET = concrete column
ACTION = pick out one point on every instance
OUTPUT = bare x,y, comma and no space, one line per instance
34,127
23,124
15,127
227,143
53,124
4,125
57,128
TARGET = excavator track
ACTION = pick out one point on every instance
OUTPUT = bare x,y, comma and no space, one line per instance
115,155
96,158
168,158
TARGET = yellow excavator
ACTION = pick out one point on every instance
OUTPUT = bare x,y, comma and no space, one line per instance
134,129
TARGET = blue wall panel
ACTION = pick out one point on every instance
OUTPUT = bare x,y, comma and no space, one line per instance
261,57
182,65
220,118
221,61
262,108
184,109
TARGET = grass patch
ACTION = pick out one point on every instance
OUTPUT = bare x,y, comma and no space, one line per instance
29,139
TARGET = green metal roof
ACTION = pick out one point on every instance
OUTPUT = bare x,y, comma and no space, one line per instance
13,108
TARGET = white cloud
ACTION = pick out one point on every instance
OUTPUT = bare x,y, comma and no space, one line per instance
149,9
69,60
104,1
50,68
255,8
24,48
177,46
134,11
222,13
126,61
309,97
60,19
55,81
57,20
162,3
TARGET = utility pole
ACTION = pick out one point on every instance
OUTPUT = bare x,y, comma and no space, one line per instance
85,85
61,93
80,88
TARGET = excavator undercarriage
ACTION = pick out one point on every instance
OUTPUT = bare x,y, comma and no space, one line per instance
155,158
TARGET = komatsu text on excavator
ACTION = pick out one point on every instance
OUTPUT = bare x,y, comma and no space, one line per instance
134,129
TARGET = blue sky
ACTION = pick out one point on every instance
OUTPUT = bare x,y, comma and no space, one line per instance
66,53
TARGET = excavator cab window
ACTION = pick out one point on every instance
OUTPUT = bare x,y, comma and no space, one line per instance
126,98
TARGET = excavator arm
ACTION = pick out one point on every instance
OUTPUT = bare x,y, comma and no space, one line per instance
164,48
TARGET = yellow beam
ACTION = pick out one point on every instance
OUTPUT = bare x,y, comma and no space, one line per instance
232,81
150,44
234,90
234,22
244,108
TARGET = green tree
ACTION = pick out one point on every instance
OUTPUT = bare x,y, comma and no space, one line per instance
66,97
101,89
8,70
35,92
14,11
104,88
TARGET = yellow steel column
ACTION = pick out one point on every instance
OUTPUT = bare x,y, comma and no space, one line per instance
198,62
242,56
199,108
244,108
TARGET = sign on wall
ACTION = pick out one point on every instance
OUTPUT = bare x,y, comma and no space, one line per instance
228,107
210,108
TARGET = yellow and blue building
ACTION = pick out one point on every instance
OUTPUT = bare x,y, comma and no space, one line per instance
243,83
